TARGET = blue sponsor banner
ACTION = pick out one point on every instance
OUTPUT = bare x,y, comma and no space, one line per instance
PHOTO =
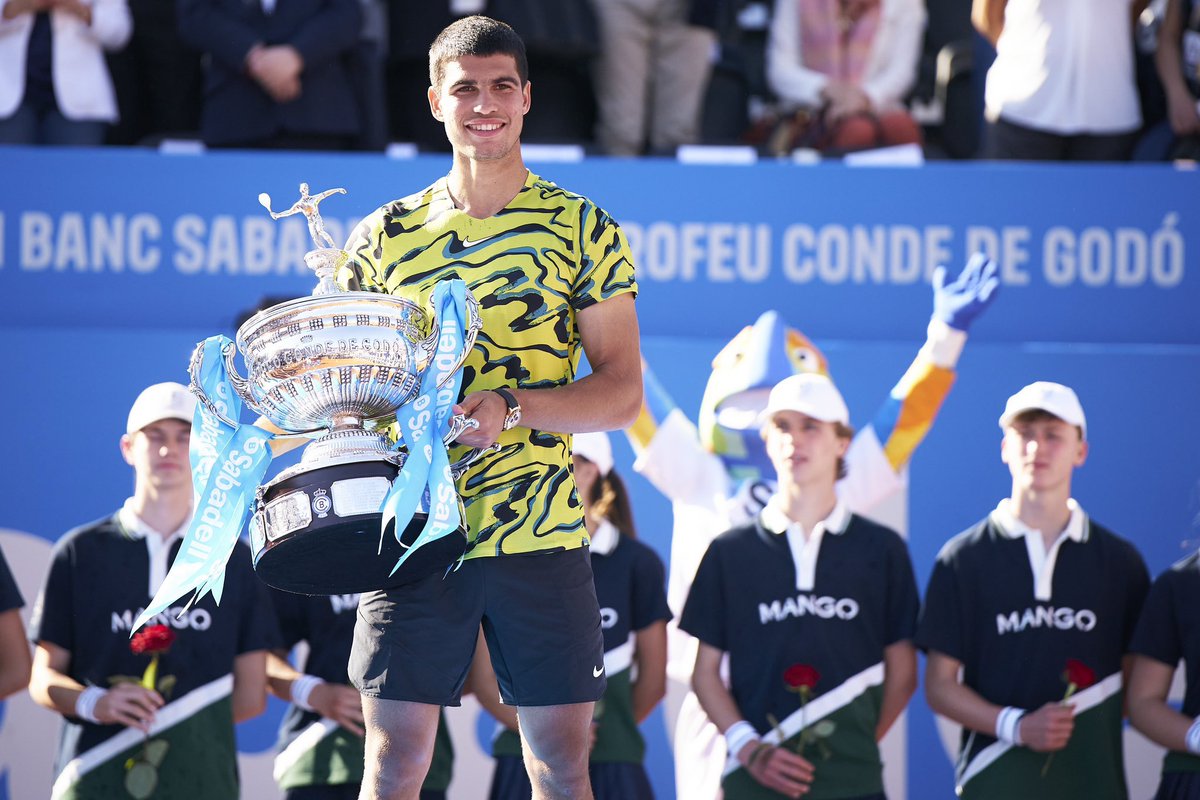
1096,253
114,264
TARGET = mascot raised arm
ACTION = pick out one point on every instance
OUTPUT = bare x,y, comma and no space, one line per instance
716,472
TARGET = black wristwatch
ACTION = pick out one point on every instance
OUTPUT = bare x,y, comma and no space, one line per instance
514,408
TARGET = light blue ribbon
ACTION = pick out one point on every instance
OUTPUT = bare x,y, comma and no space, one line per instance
228,463
425,475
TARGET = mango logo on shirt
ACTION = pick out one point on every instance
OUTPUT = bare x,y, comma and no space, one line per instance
801,605
1063,619
197,619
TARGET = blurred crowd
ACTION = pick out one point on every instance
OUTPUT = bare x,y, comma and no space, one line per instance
957,78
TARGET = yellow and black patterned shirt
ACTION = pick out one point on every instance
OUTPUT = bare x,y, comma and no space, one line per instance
548,254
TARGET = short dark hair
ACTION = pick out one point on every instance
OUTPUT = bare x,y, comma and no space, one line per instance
475,36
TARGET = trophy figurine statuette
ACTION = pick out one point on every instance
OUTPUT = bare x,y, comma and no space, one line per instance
336,366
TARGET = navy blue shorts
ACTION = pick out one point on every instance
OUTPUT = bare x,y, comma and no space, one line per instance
539,615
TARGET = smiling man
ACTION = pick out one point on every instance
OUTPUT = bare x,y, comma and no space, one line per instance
816,608
554,279
1032,604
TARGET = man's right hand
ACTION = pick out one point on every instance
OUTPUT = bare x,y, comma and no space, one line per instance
1049,728
777,768
340,703
129,704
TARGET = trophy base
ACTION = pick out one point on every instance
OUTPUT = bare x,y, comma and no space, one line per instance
317,531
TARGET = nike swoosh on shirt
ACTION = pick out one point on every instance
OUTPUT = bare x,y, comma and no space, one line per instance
597,671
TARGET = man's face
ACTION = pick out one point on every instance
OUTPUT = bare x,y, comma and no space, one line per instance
804,451
1042,453
482,104
158,453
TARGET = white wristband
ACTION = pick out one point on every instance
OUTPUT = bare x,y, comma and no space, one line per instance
85,704
302,687
737,734
1008,725
1193,737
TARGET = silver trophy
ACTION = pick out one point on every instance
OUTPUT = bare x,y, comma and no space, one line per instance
335,366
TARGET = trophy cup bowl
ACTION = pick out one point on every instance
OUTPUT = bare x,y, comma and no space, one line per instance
328,360
338,363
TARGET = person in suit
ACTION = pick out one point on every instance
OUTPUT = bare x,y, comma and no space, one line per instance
275,76
54,85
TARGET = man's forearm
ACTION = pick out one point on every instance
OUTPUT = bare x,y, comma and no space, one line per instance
716,700
899,684
963,705
55,691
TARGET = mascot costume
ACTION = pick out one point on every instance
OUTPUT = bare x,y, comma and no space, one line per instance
717,473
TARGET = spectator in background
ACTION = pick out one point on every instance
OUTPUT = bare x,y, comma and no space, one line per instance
158,79
1169,631
651,75
1028,619
1063,85
54,85
848,64
1178,62
14,650
275,75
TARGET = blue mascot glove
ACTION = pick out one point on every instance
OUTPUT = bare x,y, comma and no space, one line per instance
959,303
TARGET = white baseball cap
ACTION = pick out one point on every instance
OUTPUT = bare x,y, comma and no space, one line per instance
811,394
596,448
161,401
1053,398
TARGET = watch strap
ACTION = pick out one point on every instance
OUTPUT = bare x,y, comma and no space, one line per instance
514,408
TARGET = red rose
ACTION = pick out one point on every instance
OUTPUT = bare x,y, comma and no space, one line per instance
154,639
1079,674
801,676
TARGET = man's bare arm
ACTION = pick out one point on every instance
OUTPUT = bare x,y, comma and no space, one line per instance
607,399
988,18
899,683
1149,711
1045,729
15,658
249,685
50,686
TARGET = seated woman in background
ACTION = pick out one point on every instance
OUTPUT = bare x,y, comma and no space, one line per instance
847,65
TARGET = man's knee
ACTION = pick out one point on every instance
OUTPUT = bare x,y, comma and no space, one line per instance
558,773
399,748
395,767
555,745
